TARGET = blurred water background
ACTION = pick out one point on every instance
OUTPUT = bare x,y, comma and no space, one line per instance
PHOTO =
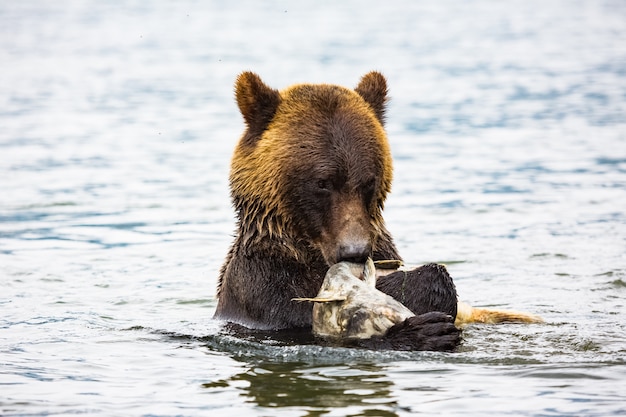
117,123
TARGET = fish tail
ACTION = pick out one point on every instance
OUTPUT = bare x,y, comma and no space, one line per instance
467,314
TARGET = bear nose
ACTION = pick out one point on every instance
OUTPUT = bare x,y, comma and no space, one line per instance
354,252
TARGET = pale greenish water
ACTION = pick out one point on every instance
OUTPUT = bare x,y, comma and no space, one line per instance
117,122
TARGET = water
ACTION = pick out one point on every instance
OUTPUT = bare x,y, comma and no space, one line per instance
117,122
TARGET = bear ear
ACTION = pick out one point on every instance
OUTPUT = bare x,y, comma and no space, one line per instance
373,88
257,102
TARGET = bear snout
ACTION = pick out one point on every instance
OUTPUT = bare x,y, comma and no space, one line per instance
350,230
356,252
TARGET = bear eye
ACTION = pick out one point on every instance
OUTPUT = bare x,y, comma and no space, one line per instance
369,189
323,185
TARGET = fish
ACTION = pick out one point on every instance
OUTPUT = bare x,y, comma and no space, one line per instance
350,309
348,305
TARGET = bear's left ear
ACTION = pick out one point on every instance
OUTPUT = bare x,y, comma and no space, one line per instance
257,102
373,88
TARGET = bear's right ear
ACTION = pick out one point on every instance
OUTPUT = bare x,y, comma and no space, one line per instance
257,102
373,89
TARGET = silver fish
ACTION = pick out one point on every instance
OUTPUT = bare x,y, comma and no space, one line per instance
348,305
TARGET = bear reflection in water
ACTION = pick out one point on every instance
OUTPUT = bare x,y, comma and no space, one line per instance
349,309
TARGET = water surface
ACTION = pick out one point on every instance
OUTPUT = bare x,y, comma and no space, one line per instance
117,122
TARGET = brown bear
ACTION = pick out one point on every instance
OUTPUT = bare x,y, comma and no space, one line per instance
309,178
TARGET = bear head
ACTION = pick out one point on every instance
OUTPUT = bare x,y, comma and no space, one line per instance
313,168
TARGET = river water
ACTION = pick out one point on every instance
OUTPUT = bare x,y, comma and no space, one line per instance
117,122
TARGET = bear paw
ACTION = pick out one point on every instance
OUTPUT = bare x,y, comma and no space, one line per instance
430,331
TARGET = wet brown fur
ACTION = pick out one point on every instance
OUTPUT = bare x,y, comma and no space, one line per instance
299,143
309,178
263,163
